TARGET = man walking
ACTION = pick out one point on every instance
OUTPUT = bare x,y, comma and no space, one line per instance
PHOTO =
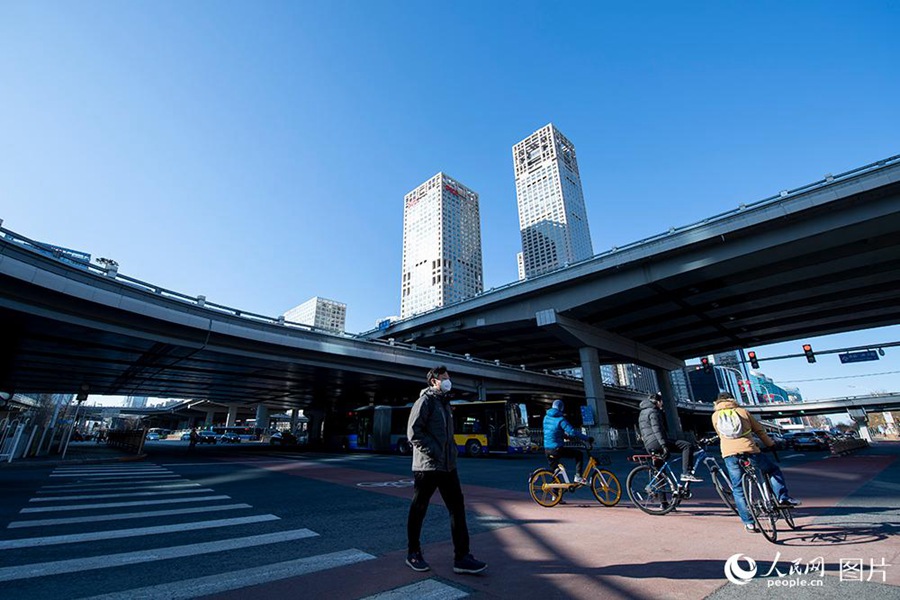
430,433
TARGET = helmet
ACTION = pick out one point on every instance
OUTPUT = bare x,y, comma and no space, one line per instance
558,405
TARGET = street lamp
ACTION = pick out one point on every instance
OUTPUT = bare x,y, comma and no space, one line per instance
740,380
770,394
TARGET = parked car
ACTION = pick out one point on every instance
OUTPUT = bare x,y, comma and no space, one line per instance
807,441
153,437
283,438
186,437
207,436
230,438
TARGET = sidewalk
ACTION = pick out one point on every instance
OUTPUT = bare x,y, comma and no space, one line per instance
78,453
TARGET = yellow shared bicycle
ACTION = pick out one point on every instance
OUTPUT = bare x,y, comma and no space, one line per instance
547,487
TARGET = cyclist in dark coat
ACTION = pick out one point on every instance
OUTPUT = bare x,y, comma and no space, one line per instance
652,424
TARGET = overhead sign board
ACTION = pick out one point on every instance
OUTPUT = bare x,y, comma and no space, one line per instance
854,357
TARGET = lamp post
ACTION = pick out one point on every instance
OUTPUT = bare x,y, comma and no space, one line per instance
770,394
741,379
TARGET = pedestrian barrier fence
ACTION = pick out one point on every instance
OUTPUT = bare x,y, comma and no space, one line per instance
842,447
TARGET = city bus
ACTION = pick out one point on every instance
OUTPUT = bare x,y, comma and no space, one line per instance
493,426
244,432
379,428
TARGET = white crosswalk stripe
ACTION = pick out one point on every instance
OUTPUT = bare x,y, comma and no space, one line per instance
429,589
149,485
215,584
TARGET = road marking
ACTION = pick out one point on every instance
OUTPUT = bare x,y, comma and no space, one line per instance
87,469
102,476
216,584
148,514
74,565
123,495
93,536
121,504
428,589
94,483
106,486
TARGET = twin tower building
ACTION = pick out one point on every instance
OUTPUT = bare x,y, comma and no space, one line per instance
442,226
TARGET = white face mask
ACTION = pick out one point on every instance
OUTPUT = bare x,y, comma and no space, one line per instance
446,385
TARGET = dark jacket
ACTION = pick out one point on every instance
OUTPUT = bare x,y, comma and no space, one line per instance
430,432
556,429
652,424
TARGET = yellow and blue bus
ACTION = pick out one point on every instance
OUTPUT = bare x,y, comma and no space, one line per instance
493,427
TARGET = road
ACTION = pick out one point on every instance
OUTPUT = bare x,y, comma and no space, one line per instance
239,521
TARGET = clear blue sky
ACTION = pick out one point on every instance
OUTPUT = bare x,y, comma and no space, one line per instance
258,152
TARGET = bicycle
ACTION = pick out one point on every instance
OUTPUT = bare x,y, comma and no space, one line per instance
761,501
547,487
653,486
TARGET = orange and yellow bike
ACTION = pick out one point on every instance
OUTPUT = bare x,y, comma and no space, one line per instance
547,487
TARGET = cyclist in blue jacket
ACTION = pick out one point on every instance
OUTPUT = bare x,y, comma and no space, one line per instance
556,429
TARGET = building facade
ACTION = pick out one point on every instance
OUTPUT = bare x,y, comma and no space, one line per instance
441,246
552,217
321,313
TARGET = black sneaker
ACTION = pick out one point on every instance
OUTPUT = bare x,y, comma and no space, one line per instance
789,502
751,528
468,564
416,562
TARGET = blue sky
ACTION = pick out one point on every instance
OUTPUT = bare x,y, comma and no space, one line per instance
258,152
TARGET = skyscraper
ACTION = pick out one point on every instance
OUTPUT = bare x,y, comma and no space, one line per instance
441,246
552,218
321,313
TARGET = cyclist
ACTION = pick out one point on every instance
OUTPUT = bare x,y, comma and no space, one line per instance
736,427
556,429
652,424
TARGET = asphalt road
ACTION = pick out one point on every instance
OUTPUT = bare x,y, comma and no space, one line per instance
304,525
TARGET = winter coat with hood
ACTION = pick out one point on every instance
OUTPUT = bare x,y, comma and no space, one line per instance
556,429
652,425
430,432
744,444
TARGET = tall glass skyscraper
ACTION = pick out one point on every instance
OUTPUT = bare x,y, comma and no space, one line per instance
552,217
441,246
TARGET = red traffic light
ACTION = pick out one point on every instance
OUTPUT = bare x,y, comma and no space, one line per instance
707,368
753,361
808,351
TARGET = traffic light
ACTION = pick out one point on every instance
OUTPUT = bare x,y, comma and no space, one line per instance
707,368
808,351
753,362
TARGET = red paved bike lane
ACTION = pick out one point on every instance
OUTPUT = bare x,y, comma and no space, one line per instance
584,550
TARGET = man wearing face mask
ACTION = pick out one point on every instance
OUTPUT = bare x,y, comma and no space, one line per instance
430,433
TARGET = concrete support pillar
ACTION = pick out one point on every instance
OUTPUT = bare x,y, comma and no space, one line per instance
232,416
595,398
316,418
262,416
673,423
210,418
295,415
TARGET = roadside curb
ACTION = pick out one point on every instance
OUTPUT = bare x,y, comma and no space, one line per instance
39,464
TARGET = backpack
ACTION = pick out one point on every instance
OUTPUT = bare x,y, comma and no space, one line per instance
728,424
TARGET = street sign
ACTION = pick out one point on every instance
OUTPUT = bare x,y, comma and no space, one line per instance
854,357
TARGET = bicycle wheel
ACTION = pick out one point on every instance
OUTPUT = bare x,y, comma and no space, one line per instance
544,496
650,490
788,517
723,489
761,508
606,488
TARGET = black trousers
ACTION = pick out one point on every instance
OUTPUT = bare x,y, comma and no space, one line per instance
687,453
426,482
554,456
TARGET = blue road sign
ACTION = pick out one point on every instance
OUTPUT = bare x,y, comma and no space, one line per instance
854,357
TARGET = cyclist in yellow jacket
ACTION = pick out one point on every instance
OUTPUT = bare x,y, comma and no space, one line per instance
735,427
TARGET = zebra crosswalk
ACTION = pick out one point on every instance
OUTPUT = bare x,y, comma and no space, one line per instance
144,532
143,506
